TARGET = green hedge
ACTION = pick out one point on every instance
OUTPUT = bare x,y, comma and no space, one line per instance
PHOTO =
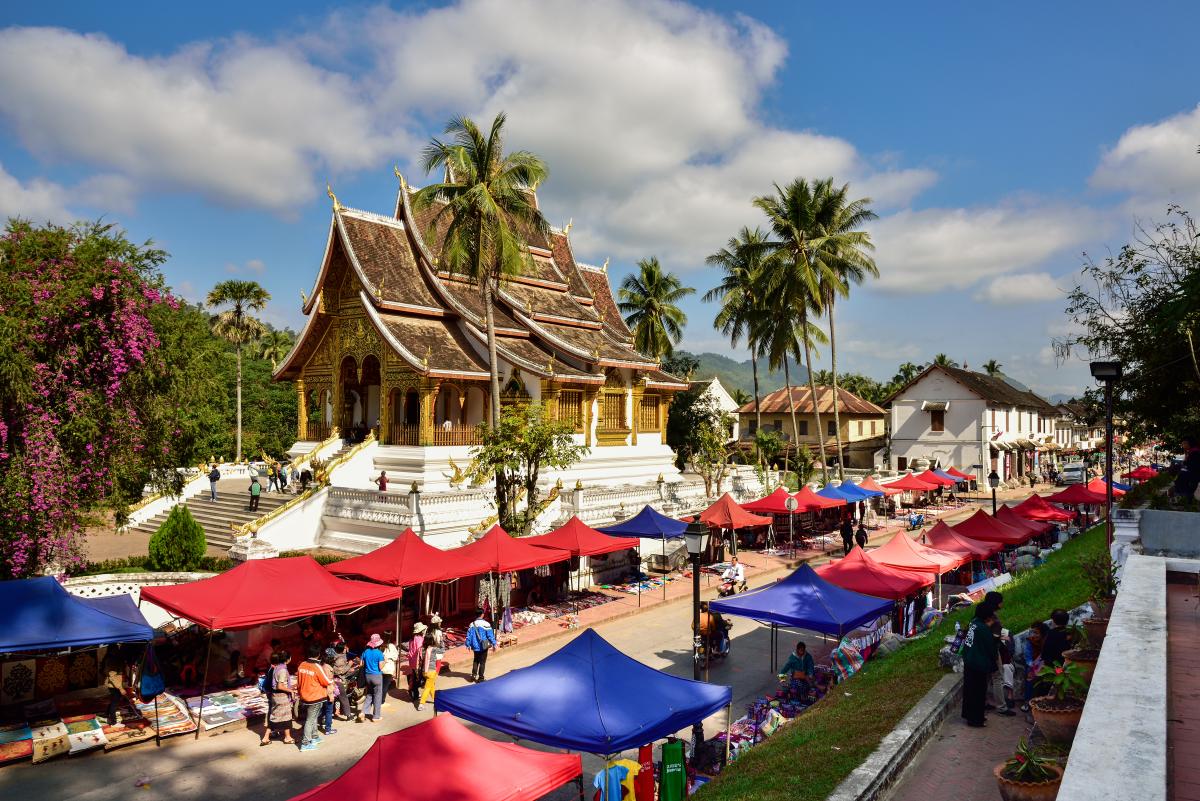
141,564
809,757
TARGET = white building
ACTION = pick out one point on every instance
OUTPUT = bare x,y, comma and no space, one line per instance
948,416
716,392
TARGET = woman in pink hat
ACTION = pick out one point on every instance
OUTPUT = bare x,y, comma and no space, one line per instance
372,657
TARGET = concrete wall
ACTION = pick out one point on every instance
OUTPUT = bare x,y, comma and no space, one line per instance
1176,533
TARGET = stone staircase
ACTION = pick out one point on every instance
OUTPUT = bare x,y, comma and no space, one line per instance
217,517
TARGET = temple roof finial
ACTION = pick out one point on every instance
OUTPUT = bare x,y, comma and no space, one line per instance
604,267
399,175
337,204
567,227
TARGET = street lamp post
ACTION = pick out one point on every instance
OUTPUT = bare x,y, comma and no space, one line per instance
696,538
993,482
1109,373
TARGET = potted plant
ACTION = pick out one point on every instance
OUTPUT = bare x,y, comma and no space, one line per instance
1028,776
1057,714
1100,572
1083,654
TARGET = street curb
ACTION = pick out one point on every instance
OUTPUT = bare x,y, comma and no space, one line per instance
870,780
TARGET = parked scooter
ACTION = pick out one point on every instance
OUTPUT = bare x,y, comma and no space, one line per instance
729,588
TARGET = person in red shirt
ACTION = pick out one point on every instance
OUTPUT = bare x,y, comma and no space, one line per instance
313,685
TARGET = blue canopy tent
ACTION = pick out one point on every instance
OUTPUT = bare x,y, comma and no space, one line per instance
40,615
586,696
955,479
866,493
806,601
830,491
648,524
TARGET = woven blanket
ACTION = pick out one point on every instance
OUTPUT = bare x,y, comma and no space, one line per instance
84,733
50,739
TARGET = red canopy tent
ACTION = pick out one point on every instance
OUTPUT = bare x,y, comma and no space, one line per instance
959,474
1035,507
910,482
1075,495
407,561
1099,486
504,554
905,553
862,574
809,501
982,526
725,513
869,483
930,477
1141,473
944,538
467,767
1007,516
263,591
772,504
580,539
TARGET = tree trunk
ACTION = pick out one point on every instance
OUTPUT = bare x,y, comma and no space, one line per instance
787,382
812,386
837,420
239,404
754,370
531,499
493,364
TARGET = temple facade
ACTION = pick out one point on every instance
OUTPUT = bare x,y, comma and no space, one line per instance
396,345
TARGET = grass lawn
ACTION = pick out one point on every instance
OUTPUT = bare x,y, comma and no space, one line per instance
810,756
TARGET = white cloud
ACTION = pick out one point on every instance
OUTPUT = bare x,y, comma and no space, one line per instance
938,249
1155,163
38,200
1020,288
240,122
252,266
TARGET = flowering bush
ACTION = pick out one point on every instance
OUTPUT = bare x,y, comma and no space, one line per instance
88,401
1064,680
1026,765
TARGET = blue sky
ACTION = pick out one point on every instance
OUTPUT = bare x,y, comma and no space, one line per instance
997,142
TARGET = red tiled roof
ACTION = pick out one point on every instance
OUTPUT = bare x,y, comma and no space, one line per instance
606,306
848,402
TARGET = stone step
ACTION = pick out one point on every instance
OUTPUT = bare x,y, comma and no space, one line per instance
216,517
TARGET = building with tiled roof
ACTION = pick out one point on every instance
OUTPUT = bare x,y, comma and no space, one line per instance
953,417
863,423
396,345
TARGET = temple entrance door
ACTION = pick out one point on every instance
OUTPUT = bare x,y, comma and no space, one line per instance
369,388
350,414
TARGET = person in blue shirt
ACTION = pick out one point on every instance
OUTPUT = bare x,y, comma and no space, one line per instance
480,639
372,657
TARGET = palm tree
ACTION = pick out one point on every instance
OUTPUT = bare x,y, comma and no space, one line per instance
274,346
742,260
488,209
740,396
781,340
236,326
905,373
648,300
992,367
942,360
842,246
794,281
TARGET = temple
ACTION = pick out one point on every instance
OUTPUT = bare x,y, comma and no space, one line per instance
395,345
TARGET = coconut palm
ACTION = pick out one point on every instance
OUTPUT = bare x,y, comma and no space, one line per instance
942,360
781,339
905,373
487,210
740,396
647,299
274,346
798,270
236,326
843,247
992,367
742,260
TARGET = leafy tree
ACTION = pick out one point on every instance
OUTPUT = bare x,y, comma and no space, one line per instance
275,346
681,364
648,301
515,451
89,399
1141,307
487,210
742,307
697,431
992,367
179,544
236,326
767,445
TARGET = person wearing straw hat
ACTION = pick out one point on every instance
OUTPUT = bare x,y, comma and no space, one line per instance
372,657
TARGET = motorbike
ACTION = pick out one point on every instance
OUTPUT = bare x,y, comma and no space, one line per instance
729,588
708,652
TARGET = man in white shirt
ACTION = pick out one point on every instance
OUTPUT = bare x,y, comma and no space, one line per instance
734,575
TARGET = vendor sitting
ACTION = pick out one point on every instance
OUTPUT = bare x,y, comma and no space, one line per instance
799,666
714,629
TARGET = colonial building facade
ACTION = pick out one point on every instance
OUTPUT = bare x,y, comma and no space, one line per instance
948,416
863,423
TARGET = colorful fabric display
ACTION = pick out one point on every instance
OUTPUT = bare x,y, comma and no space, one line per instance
84,733
17,681
50,739
846,660
16,743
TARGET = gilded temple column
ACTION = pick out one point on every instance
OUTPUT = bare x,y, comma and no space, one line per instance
589,401
635,419
550,390
427,392
301,411
385,408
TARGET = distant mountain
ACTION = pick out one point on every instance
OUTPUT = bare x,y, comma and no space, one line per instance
739,375
1060,397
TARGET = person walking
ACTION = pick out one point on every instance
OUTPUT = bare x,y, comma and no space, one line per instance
429,670
255,494
979,657
382,482
342,666
214,476
114,680
860,536
416,647
847,530
480,639
279,709
272,477
312,683
389,665
372,657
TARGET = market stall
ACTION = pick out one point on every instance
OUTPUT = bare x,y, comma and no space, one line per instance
902,552
1035,528
1035,507
649,524
443,760
862,574
1076,495
726,514
982,526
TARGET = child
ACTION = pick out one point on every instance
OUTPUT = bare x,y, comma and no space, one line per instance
1006,672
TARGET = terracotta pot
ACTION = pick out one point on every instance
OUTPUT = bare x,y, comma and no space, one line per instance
1028,791
1057,720
1103,607
1096,628
1086,659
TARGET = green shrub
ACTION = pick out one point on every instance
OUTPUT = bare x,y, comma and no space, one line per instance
179,543
319,558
